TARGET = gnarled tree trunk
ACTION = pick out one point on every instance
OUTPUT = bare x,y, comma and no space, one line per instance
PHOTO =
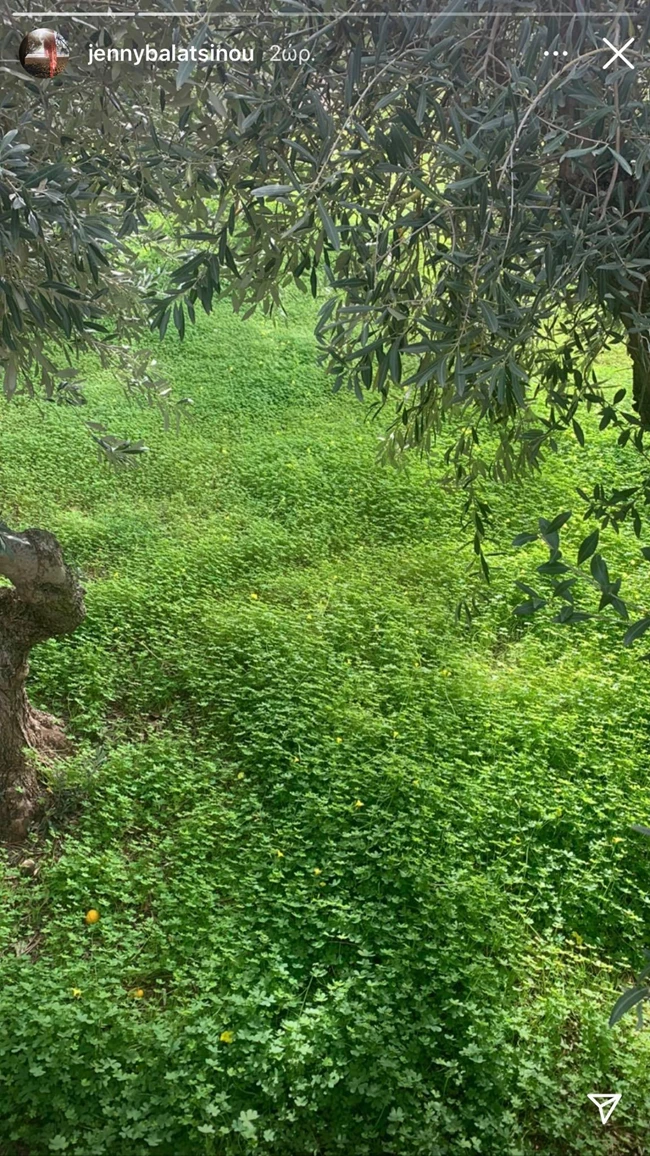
46,600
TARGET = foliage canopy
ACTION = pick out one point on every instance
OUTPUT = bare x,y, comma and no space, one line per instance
473,206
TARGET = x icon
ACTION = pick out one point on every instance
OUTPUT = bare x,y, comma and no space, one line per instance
618,52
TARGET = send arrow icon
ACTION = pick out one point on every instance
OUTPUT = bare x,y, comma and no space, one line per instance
605,1102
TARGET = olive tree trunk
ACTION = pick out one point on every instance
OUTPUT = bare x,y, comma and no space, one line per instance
45,600
640,377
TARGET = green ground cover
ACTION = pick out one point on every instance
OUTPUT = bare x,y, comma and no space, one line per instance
365,876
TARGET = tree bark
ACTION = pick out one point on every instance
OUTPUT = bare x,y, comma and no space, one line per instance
44,601
640,377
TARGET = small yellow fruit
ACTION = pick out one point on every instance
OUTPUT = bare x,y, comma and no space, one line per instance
92,916
138,993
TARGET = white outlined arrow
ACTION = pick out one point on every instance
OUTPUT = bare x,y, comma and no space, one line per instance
605,1102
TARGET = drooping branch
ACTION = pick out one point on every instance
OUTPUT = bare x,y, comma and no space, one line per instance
44,601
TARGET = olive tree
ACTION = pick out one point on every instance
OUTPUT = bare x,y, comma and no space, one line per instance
471,191
466,192
72,191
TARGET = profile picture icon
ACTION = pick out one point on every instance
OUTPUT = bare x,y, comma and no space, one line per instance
44,53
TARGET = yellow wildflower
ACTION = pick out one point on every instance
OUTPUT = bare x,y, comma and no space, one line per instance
227,1037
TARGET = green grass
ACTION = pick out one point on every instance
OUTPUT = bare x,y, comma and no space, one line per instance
389,854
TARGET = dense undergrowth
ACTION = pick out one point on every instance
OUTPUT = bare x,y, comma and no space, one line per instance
365,876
